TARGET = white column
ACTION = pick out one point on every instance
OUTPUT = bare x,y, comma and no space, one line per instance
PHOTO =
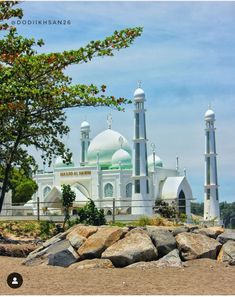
85,142
211,199
141,201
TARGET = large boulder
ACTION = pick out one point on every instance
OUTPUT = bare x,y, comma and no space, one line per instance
180,229
172,259
226,236
16,250
134,247
227,253
83,230
93,263
163,240
212,232
193,246
94,246
75,239
62,254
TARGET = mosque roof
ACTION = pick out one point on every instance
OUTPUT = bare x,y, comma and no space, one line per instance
106,144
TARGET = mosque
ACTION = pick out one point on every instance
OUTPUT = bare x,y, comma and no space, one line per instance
113,169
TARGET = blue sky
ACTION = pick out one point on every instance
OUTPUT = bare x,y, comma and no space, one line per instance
185,59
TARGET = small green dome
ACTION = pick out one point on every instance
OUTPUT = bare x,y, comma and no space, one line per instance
158,162
121,158
105,144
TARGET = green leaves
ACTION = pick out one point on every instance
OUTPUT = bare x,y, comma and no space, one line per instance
35,92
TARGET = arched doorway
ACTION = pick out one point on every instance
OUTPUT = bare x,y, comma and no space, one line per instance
182,202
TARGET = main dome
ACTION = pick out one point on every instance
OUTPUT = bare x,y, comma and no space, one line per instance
106,144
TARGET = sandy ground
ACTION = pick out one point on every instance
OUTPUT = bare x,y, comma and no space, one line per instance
201,277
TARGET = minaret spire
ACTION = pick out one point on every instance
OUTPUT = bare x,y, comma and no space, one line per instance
141,203
85,142
211,197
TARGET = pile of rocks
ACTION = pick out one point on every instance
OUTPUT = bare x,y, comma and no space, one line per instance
151,246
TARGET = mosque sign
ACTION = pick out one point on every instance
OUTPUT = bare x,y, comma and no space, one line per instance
75,173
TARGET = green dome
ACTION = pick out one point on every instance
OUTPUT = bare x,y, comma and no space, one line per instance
106,144
121,158
158,162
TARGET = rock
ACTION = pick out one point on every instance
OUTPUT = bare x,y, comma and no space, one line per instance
191,227
17,250
62,254
163,240
212,232
179,230
94,263
75,239
94,246
193,246
134,247
227,235
142,265
84,231
227,253
172,259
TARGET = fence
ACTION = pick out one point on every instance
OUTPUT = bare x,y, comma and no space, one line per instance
114,209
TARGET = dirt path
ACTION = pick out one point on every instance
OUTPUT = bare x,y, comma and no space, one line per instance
201,277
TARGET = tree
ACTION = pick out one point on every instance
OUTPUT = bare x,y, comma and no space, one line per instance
164,209
35,92
90,215
197,208
68,197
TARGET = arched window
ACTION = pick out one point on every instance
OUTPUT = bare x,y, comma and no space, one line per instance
182,202
129,190
108,190
46,190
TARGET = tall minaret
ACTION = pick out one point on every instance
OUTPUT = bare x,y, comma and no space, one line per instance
85,141
211,197
141,203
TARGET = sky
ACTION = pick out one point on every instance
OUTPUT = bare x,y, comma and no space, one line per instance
185,60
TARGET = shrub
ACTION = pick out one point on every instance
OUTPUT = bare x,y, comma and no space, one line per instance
90,215
47,228
164,209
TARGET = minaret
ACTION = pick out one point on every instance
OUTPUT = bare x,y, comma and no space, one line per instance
85,141
141,203
211,198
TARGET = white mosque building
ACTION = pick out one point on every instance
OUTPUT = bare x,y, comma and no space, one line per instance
113,169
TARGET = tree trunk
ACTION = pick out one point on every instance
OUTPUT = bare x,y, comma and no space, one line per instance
4,185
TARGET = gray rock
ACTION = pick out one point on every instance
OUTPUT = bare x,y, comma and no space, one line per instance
212,232
62,254
170,260
179,230
227,253
163,240
226,236
134,247
193,246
